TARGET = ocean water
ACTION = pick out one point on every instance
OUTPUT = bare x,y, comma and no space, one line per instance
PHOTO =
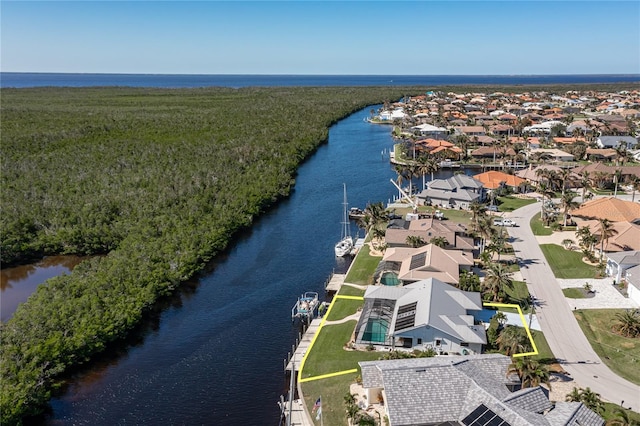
19,80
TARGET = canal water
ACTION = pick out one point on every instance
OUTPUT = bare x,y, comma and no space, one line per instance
216,357
17,283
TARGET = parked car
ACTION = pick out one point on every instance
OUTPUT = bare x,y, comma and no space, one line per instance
503,222
493,208
439,215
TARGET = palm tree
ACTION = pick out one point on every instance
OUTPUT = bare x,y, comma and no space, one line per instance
585,182
427,164
439,241
497,279
478,210
415,241
374,215
567,203
587,397
606,232
617,177
628,323
530,371
634,181
622,418
513,340
567,243
402,171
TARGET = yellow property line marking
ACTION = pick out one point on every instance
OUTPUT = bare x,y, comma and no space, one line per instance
313,341
524,324
339,373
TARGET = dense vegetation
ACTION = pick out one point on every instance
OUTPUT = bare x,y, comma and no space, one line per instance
157,180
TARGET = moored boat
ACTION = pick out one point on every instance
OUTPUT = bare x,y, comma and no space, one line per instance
306,306
345,245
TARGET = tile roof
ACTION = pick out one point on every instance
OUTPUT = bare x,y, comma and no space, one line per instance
614,209
493,178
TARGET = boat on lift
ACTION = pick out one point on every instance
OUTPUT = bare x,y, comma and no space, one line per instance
306,306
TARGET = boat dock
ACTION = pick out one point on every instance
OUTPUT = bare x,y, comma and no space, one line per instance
299,350
334,283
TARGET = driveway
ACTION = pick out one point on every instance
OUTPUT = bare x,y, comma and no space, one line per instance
561,329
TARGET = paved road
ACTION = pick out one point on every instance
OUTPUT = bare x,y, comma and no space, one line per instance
560,328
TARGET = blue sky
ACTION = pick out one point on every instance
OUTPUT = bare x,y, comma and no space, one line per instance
329,37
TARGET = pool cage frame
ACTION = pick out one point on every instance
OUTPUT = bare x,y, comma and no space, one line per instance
374,312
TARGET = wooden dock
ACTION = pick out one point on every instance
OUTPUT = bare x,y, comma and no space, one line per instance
335,282
303,345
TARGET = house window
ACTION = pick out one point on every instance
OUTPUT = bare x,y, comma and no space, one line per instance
464,344
419,341
438,342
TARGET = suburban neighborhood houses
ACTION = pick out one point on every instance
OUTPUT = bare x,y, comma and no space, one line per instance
539,212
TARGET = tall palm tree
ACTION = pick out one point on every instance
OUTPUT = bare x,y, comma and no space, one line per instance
567,203
634,181
478,210
497,279
622,418
606,232
585,183
402,171
427,164
617,177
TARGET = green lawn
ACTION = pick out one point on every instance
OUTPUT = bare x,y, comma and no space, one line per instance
363,267
544,352
347,290
567,264
573,293
619,353
510,203
342,308
328,354
538,227
332,391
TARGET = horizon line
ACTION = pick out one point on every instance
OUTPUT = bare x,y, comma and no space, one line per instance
323,75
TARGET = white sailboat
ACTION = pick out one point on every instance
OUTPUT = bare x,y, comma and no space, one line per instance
345,245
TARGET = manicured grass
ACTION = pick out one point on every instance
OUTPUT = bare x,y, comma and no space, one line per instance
347,290
363,267
610,413
342,308
567,264
454,215
510,203
544,351
538,227
328,354
332,391
519,295
619,353
573,293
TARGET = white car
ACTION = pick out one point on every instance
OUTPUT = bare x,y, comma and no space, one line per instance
503,222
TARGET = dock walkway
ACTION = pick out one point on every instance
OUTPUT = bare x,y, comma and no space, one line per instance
335,282
304,344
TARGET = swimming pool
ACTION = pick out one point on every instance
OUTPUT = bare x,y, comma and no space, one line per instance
390,278
376,331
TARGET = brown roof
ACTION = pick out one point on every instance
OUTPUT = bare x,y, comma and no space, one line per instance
626,235
614,209
429,261
493,178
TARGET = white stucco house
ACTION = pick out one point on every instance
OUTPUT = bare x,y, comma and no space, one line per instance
633,283
618,263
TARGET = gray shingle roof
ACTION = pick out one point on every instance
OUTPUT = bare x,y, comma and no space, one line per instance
425,391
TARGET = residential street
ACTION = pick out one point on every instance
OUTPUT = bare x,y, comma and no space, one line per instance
561,329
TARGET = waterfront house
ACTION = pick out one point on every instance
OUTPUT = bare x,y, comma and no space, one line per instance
619,263
421,315
495,180
458,191
429,261
427,229
464,390
430,131
626,235
552,154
